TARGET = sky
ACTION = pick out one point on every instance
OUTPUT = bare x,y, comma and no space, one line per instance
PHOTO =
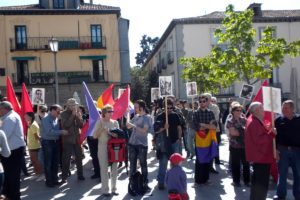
152,17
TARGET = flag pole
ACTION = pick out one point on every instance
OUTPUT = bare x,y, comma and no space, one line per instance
272,121
166,112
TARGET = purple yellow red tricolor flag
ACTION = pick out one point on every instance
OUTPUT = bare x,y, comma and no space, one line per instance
206,145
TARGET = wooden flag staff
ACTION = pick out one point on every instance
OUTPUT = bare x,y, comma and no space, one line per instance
167,119
272,121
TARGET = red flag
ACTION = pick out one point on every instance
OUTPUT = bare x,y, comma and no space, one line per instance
259,98
11,96
26,106
121,104
83,132
106,97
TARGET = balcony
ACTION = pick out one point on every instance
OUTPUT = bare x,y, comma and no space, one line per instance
65,43
70,77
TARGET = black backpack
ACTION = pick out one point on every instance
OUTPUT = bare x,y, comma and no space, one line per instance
136,184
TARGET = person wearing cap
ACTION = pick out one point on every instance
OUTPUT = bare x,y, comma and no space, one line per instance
13,129
50,133
236,126
176,180
71,121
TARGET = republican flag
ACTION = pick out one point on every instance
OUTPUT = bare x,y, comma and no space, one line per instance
26,106
106,97
259,98
11,96
84,130
206,145
121,104
93,112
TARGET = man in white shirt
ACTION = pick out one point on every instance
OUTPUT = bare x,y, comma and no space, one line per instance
13,129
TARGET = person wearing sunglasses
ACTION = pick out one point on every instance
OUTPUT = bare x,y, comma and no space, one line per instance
236,126
203,120
103,134
171,142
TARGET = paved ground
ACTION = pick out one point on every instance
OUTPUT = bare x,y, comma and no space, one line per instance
221,187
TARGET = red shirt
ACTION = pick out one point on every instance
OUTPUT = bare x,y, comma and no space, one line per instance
258,142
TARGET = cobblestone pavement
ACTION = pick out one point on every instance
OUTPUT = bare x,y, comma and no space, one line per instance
89,189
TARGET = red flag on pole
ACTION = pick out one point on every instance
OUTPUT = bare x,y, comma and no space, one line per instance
26,106
121,104
11,96
259,98
84,132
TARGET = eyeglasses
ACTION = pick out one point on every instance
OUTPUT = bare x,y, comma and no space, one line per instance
170,107
110,111
202,101
238,110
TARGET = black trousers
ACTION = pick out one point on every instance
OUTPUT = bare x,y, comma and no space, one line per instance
12,173
93,146
260,181
201,172
237,157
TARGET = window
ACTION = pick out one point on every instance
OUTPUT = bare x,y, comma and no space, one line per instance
22,72
214,40
96,35
261,30
58,4
2,71
21,37
98,70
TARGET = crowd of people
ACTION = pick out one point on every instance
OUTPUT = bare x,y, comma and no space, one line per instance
53,141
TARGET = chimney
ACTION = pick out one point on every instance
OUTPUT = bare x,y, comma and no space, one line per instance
91,1
256,7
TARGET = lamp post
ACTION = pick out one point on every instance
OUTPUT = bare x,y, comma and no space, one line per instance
53,43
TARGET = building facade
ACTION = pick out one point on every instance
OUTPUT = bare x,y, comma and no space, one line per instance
193,37
92,41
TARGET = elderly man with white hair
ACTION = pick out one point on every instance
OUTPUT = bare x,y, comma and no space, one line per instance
259,151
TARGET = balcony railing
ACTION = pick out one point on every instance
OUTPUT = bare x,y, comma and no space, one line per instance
41,43
70,77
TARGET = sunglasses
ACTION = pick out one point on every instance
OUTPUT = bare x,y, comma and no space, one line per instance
238,110
202,101
170,107
110,111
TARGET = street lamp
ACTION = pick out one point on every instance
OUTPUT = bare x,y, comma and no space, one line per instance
53,43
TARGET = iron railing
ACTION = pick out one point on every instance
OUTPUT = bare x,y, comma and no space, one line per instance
42,43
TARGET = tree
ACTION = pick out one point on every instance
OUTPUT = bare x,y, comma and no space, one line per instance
239,60
147,44
141,82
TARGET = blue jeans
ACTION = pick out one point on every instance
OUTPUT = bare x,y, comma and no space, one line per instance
162,168
288,158
138,152
51,150
176,147
191,140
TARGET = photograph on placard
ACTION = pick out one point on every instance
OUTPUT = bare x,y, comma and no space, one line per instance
38,96
120,92
154,94
191,89
275,98
165,85
247,92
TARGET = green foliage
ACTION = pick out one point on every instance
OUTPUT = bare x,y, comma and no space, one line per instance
147,44
235,58
141,83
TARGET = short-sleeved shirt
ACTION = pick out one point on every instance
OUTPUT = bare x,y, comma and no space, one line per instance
173,121
138,138
32,141
239,125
